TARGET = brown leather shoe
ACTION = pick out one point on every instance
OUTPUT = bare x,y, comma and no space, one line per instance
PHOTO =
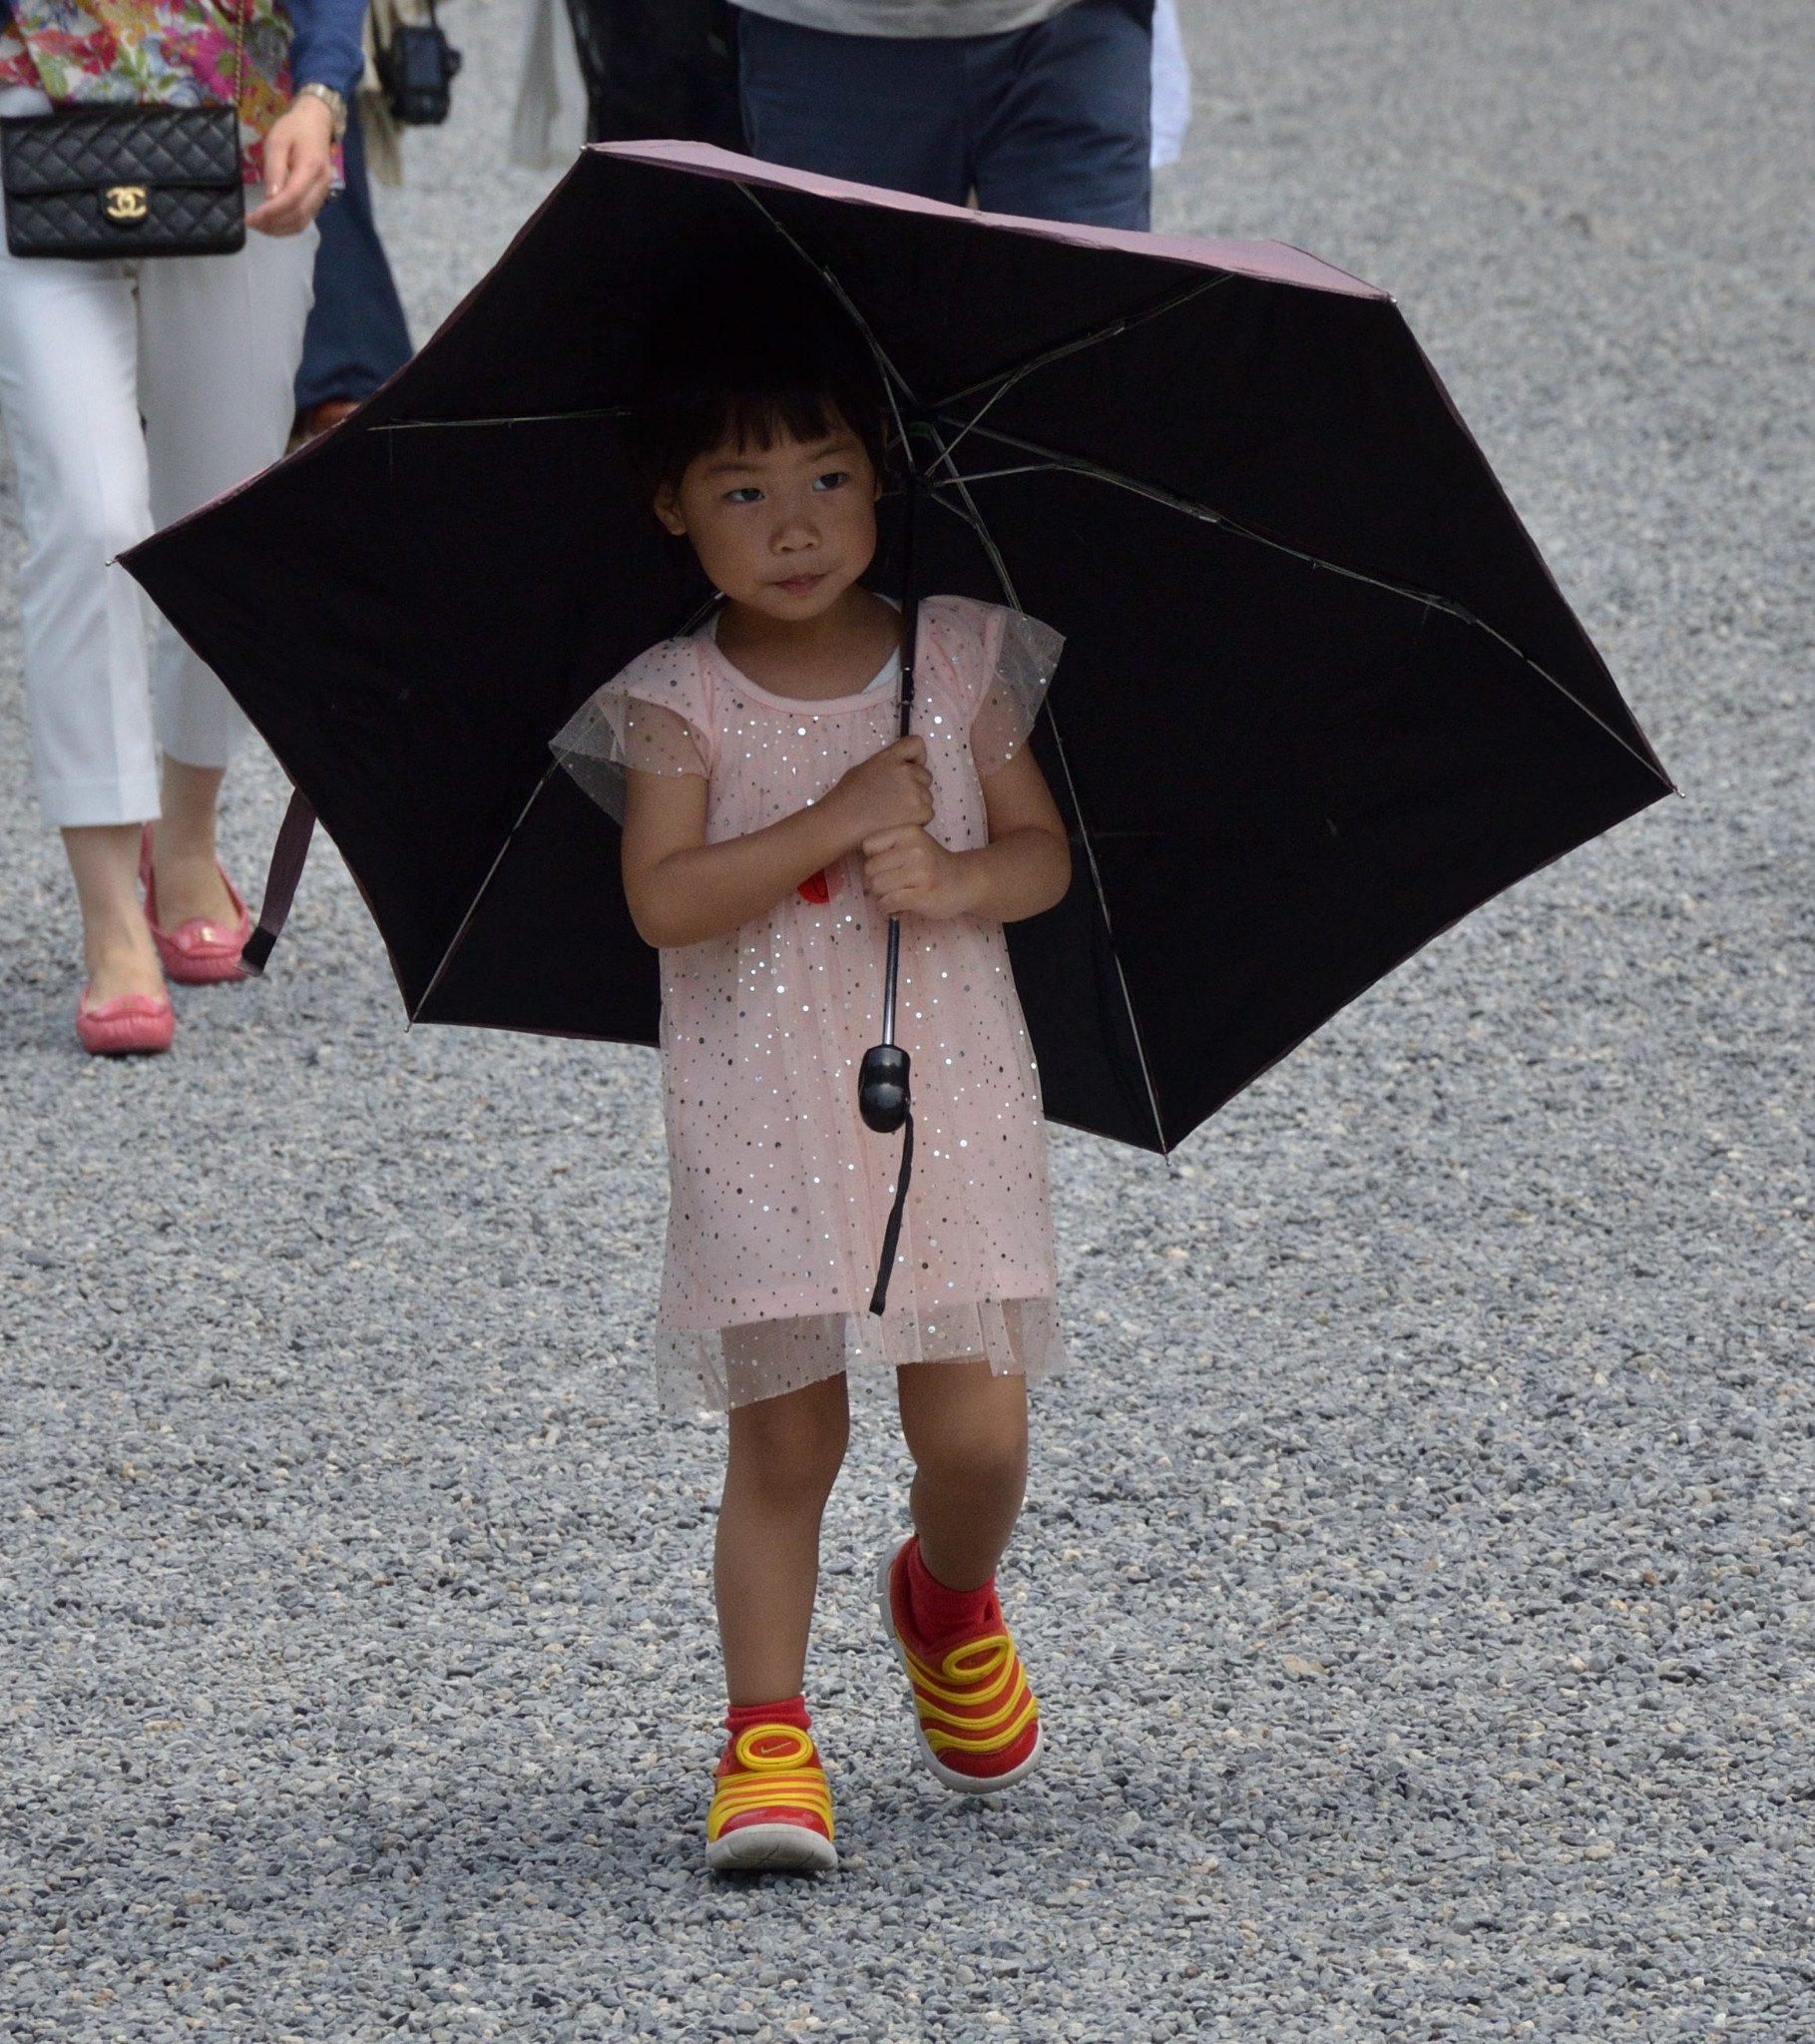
316,419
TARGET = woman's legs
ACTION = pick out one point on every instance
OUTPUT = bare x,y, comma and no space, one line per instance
182,846
967,1431
116,945
356,335
219,337
785,1457
68,386
105,861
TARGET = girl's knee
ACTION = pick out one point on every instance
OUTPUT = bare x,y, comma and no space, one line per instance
961,1418
791,1448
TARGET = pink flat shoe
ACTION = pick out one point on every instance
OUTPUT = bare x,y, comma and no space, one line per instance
132,1024
198,952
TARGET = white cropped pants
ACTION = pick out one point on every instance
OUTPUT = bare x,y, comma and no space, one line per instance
132,394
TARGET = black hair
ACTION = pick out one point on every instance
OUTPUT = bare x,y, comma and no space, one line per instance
751,359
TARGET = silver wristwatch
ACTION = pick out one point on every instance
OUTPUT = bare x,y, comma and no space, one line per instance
330,98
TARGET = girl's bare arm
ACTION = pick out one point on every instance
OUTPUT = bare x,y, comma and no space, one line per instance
683,890
1025,868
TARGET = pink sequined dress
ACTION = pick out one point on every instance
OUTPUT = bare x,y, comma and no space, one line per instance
779,1195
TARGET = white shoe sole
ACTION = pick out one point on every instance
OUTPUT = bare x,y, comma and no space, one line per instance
947,1778
753,1848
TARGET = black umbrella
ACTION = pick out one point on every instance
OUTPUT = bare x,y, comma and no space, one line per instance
1319,699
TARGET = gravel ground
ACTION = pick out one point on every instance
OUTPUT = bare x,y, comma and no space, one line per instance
1415,1574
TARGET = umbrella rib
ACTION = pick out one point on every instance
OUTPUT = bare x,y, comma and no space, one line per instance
526,419
491,873
1108,927
991,475
1123,325
972,517
696,619
1206,514
893,381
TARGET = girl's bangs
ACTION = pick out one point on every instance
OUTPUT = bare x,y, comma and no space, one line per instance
760,419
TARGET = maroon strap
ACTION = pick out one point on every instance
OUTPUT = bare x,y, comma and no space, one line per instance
289,857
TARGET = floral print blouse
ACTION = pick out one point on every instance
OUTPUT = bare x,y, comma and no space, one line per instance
175,53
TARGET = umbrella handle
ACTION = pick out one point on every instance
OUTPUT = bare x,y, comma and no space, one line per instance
882,1079
882,1088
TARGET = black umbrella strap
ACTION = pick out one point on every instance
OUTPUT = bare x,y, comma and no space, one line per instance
891,1235
289,857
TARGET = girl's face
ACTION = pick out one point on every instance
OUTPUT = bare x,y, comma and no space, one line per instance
785,529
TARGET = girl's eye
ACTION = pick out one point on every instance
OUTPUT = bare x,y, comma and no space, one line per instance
748,494
833,478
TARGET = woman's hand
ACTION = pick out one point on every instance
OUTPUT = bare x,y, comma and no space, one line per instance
298,168
889,791
910,874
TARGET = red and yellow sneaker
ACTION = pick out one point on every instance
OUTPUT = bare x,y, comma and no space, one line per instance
771,1806
977,1719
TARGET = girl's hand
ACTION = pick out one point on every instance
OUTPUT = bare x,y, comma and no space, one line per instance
891,789
298,168
910,874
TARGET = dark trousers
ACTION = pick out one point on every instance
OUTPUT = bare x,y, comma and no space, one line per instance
1051,121
658,68
356,337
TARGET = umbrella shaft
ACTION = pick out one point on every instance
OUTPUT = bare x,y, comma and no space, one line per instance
910,589
910,641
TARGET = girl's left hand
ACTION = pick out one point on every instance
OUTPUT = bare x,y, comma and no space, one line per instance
298,168
910,874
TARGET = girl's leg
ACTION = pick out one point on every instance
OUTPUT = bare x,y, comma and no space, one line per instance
967,1431
785,1457
220,340
967,1428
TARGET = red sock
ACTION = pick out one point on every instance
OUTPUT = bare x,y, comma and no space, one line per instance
740,1717
939,1612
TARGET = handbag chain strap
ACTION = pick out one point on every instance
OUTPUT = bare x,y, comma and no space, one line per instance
243,13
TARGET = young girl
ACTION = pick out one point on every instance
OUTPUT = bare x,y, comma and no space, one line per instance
772,822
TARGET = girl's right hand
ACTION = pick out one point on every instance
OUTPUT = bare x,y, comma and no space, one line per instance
890,789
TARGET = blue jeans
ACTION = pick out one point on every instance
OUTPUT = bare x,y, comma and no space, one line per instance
356,337
1050,122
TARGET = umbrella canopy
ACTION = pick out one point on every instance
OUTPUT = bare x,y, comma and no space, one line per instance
1319,698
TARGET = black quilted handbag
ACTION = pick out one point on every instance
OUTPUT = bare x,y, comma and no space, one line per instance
123,181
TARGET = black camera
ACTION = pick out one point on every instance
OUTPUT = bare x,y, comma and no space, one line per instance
417,68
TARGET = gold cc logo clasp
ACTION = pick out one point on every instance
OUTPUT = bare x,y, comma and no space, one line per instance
125,204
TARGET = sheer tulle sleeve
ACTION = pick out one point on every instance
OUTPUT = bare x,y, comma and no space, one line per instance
1025,656
654,718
